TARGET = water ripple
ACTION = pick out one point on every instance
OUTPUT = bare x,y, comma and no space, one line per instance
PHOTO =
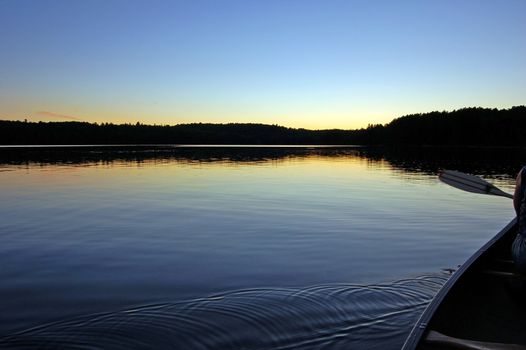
342,316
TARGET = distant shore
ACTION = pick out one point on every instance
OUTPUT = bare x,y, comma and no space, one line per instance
463,127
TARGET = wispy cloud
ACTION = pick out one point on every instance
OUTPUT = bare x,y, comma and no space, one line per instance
57,115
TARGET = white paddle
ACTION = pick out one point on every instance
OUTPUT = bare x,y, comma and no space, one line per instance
470,183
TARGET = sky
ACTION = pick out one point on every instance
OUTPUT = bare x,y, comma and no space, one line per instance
298,63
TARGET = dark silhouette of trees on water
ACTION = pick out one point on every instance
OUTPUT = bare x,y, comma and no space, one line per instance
467,126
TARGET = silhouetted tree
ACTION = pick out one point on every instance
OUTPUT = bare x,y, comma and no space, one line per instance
467,126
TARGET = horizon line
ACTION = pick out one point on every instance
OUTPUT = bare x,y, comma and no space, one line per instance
78,120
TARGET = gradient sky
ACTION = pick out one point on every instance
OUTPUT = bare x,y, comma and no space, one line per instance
313,64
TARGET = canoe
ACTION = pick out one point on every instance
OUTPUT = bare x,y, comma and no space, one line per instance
481,306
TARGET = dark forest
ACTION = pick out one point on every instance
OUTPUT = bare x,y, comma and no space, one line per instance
467,126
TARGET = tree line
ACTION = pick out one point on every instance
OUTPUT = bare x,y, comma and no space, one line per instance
467,126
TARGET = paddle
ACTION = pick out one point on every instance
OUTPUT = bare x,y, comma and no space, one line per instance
470,183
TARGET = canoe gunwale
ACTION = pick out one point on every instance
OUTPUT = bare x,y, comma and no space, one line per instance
421,325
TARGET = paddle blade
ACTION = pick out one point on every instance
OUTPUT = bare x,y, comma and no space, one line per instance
470,183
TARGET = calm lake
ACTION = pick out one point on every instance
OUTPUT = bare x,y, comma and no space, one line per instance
234,247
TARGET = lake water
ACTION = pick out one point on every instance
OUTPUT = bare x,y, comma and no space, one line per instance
234,247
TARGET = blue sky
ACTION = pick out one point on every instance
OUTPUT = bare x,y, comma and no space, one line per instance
313,64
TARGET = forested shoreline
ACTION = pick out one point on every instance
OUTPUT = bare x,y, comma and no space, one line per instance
467,126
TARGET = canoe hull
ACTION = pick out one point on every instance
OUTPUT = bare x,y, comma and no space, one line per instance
483,301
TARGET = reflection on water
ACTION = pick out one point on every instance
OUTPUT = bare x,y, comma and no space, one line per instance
489,161
89,231
321,317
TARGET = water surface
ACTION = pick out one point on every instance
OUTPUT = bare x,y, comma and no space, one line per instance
234,247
